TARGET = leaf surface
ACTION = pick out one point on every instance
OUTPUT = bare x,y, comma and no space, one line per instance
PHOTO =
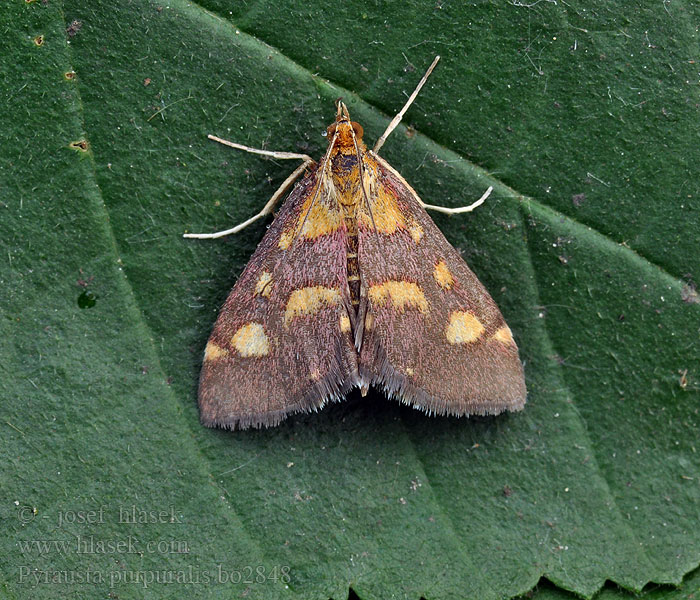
585,119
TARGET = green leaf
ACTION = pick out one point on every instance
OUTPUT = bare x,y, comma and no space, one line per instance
584,118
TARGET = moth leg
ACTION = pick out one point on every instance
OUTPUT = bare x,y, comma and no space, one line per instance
304,157
442,209
267,209
397,119
459,209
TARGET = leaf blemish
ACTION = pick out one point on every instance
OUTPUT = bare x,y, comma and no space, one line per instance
81,145
74,28
87,299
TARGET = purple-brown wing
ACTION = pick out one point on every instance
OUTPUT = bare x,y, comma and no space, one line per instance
282,341
429,332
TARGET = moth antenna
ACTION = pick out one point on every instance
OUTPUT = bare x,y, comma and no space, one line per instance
362,177
322,169
397,119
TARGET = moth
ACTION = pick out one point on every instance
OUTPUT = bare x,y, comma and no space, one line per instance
353,286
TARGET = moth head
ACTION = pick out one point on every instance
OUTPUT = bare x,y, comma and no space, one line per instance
345,131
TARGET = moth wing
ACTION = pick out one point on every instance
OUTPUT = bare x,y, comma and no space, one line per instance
428,331
282,341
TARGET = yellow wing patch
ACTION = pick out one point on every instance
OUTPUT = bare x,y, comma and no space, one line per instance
443,275
402,294
386,212
386,215
416,232
251,340
286,238
212,351
309,300
504,336
344,323
320,219
263,286
463,328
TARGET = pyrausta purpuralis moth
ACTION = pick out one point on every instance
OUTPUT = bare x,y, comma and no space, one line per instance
354,285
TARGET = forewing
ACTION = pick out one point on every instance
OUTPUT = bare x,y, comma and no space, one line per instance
429,332
282,341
